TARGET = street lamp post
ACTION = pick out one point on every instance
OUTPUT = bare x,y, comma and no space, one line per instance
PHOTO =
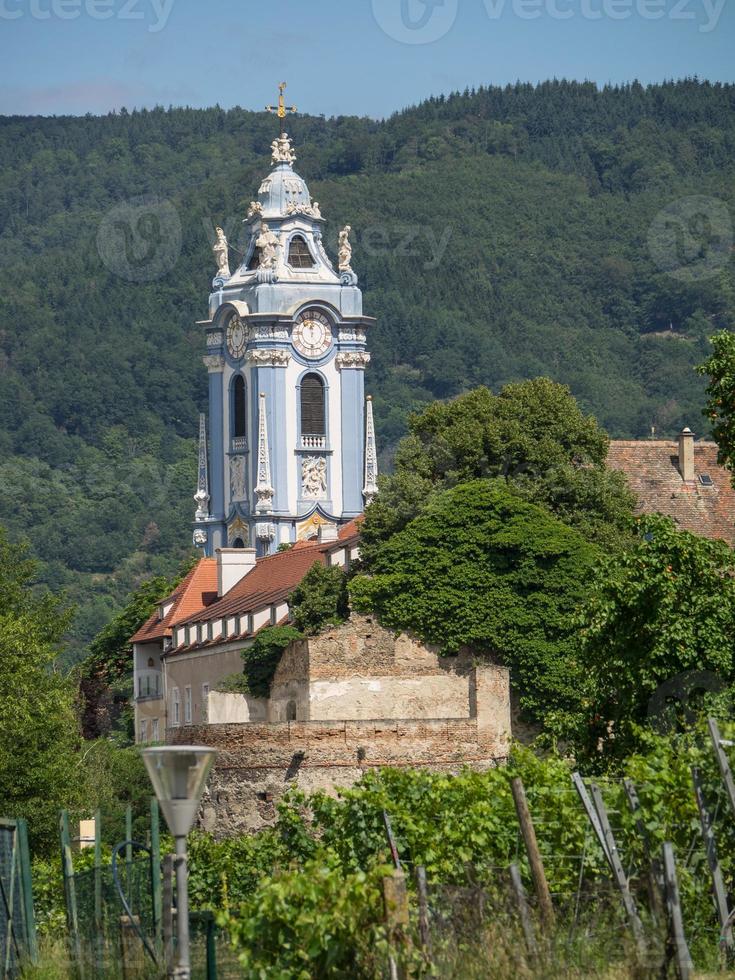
178,774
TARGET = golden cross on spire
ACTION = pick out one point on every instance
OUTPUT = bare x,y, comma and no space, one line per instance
281,109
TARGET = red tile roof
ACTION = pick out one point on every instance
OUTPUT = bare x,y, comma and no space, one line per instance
191,596
271,581
651,467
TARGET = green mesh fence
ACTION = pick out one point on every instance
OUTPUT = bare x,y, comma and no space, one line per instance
17,926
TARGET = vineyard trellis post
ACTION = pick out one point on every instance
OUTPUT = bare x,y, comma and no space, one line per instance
722,761
538,871
597,814
423,900
677,944
655,875
522,902
710,847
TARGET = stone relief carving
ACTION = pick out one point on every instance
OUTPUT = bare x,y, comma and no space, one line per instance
269,358
268,243
352,333
345,250
314,477
269,333
221,254
281,150
215,338
214,362
265,531
311,210
199,538
237,477
256,208
353,359
265,186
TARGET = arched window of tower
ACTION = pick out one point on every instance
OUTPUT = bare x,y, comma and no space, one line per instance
313,422
254,262
238,543
299,256
239,408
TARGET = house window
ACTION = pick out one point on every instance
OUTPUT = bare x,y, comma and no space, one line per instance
299,256
187,706
205,702
313,422
175,707
154,730
143,734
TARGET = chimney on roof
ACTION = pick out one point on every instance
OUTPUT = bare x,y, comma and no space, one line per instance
233,564
327,533
686,455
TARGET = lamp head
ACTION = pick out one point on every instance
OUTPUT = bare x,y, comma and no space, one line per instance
178,774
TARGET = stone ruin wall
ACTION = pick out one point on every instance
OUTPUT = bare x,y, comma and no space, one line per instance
437,713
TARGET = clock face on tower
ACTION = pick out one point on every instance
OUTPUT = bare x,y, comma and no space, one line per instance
312,334
236,337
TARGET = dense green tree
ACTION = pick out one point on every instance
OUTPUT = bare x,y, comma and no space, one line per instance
320,599
39,734
107,673
482,568
720,408
532,434
659,615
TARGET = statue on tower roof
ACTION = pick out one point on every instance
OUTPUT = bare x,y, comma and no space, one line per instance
282,151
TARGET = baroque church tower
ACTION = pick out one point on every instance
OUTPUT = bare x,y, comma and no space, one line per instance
291,440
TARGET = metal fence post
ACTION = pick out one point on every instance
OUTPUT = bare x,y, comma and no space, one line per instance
24,860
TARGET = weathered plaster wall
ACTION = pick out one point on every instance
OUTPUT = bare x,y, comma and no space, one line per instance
227,708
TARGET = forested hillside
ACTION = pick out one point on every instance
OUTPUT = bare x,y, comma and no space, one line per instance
499,235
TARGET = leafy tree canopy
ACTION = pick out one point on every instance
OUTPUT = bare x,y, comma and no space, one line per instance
38,727
658,615
720,407
482,567
320,599
106,675
533,434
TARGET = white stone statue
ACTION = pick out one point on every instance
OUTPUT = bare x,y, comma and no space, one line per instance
281,150
237,477
316,210
267,242
255,208
221,254
314,477
345,250
200,538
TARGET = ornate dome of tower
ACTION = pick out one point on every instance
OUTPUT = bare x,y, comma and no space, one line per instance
282,192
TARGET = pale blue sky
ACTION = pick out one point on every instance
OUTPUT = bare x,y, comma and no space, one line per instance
340,56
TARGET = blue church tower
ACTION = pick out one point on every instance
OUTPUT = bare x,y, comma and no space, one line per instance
290,443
